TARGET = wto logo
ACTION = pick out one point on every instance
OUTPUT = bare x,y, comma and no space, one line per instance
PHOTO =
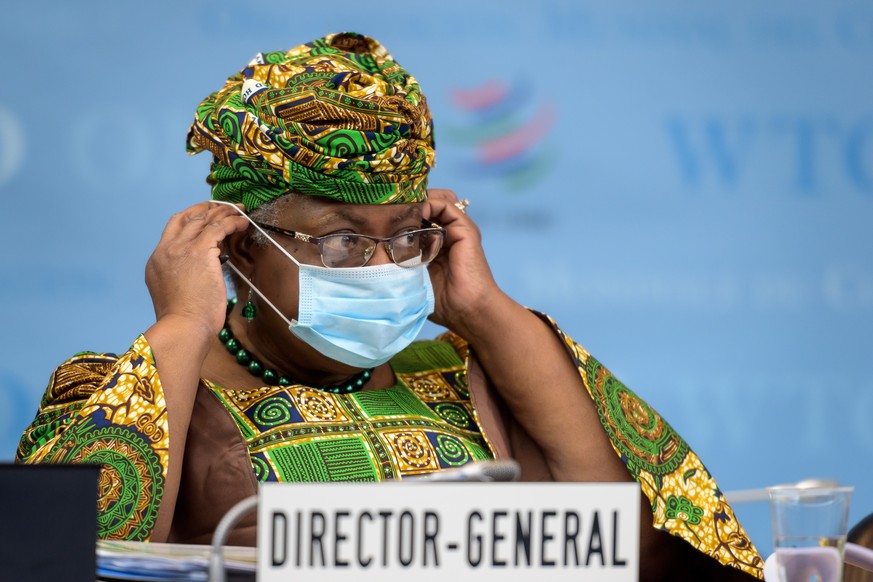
507,132
794,154
12,145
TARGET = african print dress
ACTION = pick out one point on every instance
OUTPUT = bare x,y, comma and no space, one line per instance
110,409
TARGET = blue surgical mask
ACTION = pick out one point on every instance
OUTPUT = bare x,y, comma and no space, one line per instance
359,316
362,316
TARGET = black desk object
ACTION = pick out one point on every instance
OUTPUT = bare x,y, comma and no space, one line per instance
48,522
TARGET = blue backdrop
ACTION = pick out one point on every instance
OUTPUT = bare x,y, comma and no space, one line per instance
686,187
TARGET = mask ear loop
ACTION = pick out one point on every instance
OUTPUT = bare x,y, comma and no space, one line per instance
261,295
230,264
261,230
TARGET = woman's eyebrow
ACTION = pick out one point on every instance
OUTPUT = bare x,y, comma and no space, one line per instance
410,211
343,214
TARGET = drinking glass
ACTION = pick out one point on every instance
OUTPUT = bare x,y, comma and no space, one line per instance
809,532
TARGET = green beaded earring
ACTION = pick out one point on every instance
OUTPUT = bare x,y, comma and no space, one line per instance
249,310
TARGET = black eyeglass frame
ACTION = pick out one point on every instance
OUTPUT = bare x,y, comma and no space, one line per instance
427,226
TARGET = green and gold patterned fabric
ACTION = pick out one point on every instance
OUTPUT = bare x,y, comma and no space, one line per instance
686,500
101,408
422,424
109,409
335,117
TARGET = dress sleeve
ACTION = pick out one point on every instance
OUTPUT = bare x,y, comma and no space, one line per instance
108,410
685,499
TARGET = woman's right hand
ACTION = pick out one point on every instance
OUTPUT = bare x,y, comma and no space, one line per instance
184,275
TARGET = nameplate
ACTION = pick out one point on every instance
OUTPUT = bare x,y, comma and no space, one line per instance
434,531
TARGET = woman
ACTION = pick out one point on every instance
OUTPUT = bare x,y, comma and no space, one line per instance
338,253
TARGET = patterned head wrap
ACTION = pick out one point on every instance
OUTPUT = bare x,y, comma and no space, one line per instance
335,117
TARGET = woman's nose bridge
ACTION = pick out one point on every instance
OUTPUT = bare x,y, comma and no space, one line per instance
380,254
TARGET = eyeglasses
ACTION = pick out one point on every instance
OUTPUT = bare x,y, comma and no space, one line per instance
407,249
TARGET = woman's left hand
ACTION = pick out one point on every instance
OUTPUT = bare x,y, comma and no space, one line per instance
462,280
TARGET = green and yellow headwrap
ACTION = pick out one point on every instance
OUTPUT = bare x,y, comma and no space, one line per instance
335,117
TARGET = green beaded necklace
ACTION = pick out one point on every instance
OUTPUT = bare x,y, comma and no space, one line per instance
272,377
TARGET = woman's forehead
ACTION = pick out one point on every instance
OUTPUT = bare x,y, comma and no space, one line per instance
314,211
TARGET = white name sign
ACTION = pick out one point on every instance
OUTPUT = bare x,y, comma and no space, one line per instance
448,531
